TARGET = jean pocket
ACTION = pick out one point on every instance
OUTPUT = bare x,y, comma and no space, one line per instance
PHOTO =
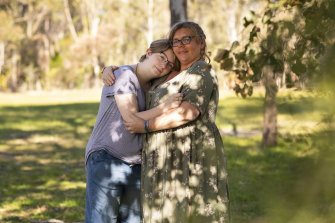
98,156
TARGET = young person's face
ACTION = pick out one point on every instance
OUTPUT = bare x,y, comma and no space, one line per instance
162,63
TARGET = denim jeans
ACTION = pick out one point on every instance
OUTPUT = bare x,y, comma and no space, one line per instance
112,190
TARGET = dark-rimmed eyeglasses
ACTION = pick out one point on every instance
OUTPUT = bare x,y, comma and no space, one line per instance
184,41
164,59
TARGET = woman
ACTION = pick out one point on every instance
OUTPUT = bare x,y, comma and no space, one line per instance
113,155
184,171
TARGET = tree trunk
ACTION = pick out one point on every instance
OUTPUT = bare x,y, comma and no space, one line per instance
270,108
2,55
14,72
178,9
69,20
93,24
29,28
150,32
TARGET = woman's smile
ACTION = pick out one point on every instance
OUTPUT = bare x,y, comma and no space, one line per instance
182,51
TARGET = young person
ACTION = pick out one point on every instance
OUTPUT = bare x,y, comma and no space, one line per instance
113,155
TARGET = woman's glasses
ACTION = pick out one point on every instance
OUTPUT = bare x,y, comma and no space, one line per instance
164,59
184,41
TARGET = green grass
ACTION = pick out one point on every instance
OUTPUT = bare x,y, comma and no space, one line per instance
43,137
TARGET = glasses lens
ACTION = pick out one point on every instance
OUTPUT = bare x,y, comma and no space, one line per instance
163,58
175,42
186,40
171,66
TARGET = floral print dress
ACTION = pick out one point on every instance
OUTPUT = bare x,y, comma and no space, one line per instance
184,171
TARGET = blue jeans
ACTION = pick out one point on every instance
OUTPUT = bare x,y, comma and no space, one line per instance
112,190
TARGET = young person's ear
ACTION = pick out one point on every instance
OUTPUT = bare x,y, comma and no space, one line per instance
149,52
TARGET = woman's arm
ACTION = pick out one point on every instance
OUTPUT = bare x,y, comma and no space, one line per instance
173,118
128,107
185,113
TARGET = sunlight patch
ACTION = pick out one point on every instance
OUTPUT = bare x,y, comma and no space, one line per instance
68,203
17,142
43,139
66,185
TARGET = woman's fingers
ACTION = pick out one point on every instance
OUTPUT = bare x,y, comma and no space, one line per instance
114,68
107,81
104,77
110,79
179,97
108,76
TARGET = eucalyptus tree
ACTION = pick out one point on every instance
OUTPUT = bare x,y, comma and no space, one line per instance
32,53
10,34
287,38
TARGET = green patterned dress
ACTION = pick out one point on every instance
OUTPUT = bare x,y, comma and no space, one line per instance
184,171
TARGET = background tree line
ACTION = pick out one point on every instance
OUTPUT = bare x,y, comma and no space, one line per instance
286,45
47,44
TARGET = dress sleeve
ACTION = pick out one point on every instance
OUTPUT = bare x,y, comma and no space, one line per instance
125,83
198,86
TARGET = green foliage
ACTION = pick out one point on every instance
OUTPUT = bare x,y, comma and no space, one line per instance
290,36
9,30
36,31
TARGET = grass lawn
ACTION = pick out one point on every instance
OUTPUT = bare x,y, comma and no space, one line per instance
43,137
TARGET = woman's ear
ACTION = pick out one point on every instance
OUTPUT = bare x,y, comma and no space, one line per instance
203,43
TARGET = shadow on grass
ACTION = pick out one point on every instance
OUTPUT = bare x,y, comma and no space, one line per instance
42,161
24,121
43,174
42,150
237,113
291,182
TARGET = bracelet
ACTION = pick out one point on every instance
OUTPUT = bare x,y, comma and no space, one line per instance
146,126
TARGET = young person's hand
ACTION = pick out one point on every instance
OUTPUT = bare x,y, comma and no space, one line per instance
108,76
173,101
135,125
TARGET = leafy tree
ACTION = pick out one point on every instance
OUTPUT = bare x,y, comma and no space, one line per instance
286,39
10,34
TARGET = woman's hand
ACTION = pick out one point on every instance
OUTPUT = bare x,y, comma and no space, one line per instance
173,101
108,76
135,125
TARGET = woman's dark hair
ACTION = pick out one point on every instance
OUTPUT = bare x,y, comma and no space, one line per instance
198,32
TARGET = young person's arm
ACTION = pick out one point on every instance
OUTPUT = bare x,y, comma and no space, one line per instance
173,118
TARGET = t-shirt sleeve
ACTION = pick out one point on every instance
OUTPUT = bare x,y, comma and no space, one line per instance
198,86
125,83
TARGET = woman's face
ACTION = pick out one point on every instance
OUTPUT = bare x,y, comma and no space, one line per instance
189,51
162,63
